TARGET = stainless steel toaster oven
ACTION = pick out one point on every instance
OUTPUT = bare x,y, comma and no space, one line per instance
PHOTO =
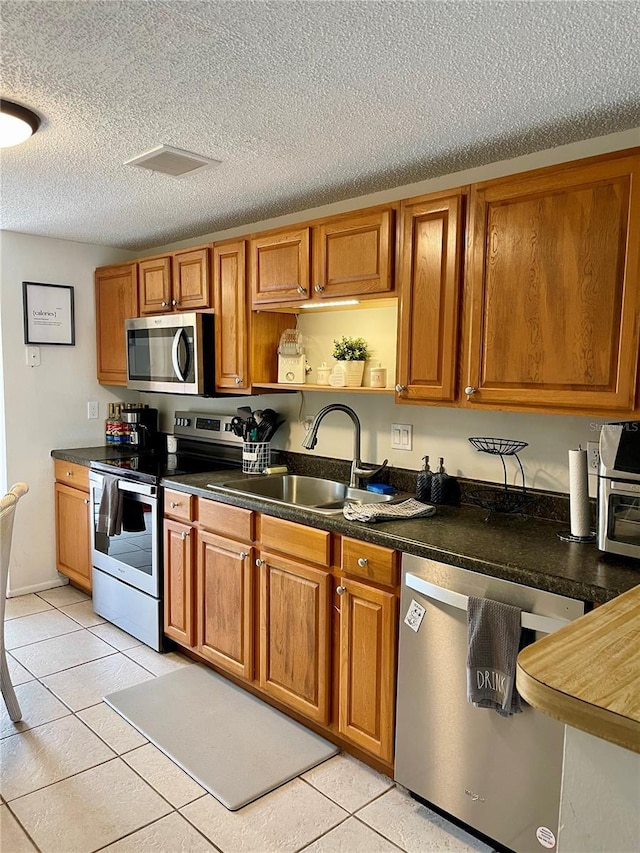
619,489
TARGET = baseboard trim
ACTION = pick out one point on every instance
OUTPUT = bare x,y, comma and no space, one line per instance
37,587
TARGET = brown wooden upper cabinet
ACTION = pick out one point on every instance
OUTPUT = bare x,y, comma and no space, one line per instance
429,277
246,342
116,301
176,282
552,288
231,316
342,256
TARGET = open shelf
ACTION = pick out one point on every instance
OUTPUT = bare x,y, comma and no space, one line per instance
309,387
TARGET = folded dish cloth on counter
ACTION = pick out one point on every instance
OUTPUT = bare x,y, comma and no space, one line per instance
110,510
387,512
493,638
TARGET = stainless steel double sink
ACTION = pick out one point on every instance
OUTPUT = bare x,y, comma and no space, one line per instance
313,493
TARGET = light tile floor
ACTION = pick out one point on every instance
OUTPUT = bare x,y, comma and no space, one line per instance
75,777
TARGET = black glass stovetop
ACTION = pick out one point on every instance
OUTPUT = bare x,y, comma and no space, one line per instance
152,467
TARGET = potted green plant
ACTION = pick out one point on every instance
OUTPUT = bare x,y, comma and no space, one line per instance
351,354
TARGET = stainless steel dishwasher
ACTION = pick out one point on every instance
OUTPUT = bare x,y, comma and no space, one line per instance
499,775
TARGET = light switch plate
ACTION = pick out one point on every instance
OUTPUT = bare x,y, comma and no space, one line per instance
401,436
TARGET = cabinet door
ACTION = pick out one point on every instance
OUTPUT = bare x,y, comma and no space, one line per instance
225,603
191,287
367,667
154,285
73,540
231,316
553,283
116,301
430,285
178,582
279,268
294,635
353,256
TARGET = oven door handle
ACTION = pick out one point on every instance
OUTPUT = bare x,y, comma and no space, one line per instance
137,488
175,346
125,485
544,624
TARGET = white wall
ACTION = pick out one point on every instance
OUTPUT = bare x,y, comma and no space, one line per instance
600,807
46,407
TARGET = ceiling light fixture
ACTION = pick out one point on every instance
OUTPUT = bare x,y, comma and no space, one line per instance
17,124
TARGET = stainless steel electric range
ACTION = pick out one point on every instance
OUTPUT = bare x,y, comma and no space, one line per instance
126,513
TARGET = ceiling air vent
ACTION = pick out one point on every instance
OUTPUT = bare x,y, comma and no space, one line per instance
171,161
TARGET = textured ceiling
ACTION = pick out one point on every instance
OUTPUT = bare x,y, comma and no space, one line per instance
305,103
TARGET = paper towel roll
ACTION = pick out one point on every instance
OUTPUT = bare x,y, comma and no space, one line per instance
579,493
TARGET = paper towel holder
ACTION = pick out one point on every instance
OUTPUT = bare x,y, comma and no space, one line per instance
567,536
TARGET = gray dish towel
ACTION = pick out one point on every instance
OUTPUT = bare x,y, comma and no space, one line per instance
110,510
493,637
387,512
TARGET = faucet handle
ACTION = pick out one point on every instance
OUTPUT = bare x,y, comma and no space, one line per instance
368,473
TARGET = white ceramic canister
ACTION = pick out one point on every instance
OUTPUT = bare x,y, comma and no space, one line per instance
378,376
323,372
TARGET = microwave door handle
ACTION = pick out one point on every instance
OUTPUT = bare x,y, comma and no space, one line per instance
174,355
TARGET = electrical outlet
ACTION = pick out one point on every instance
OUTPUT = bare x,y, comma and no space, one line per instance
92,410
401,437
593,457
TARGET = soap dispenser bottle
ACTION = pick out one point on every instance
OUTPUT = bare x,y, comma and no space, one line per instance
438,484
423,485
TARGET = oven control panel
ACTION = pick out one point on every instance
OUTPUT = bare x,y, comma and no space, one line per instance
205,426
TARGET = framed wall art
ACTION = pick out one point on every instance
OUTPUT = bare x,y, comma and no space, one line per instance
48,314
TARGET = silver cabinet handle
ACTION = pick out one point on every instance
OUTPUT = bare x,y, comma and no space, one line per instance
362,562
319,288
341,590
259,562
238,380
301,289
87,501
175,302
164,304
470,390
69,473
174,505
184,535
243,555
400,388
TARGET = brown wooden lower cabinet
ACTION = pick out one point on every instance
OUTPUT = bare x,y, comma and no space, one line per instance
367,667
73,542
294,635
178,582
73,522
225,611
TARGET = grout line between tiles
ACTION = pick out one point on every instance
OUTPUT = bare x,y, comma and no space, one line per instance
23,828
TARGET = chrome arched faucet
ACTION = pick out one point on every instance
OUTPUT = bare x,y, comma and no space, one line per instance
357,471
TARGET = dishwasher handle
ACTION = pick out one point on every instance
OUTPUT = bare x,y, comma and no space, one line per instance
544,624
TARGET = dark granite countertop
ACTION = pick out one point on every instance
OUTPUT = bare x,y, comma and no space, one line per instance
522,549
86,455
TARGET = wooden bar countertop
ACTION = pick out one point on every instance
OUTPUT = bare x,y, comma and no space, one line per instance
588,673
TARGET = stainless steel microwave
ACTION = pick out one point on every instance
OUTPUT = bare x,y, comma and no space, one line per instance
619,489
171,353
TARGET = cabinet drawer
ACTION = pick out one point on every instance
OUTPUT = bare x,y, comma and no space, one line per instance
369,561
232,521
76,476
295,540
179,505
